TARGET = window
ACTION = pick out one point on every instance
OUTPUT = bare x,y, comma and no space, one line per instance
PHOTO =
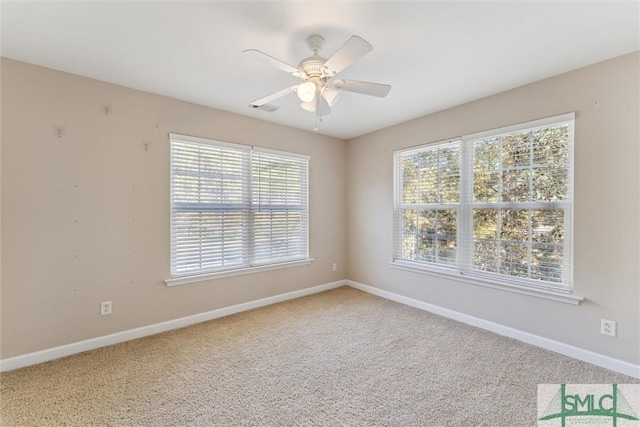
235,207
495,205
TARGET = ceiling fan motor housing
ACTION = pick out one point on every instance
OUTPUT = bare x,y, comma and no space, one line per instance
313,66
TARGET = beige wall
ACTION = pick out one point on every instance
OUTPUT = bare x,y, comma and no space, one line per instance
605,98
85,217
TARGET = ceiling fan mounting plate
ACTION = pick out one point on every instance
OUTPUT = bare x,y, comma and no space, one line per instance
315,42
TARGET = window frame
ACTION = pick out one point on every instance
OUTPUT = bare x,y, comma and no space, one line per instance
462,270
249,208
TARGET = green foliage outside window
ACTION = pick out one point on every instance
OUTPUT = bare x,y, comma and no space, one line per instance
517,210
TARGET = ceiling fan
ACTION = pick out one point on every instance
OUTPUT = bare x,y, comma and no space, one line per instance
320,89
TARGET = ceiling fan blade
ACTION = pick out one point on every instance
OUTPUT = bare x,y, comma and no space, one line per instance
274,96
354,49
275,62
365,88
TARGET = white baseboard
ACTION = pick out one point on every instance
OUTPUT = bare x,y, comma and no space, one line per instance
548,344
131,334
90,344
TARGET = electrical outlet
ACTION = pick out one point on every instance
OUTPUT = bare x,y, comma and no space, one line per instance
105,307
335,266
608,327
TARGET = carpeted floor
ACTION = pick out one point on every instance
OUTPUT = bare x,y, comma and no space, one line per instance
342,357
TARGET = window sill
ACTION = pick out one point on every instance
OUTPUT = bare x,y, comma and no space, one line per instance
183,280
568,298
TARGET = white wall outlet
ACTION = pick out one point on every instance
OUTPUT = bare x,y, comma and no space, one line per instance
335,266
105,307
608,327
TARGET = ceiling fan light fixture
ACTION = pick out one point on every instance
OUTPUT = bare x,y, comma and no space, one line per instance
308,106
307,91
330,95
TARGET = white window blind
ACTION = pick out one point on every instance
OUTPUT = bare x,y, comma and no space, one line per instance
496,205
234,207
278,207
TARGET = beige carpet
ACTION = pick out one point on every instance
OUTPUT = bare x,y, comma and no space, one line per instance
342,357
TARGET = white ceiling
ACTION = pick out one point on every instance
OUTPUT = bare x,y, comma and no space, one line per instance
435,54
